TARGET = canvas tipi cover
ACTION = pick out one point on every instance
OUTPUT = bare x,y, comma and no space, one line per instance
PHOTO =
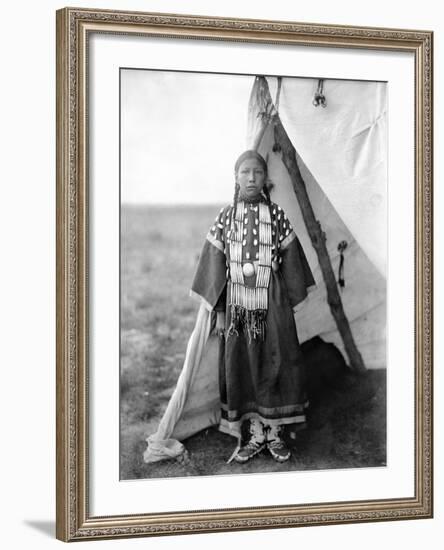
341,153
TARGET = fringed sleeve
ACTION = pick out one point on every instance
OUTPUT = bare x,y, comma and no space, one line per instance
295,270
210,279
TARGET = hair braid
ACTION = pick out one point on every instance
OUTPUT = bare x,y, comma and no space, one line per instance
266,192
233,212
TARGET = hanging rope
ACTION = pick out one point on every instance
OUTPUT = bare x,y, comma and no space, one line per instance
341,247
319,97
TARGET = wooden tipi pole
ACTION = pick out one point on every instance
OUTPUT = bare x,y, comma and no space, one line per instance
317,236
318,239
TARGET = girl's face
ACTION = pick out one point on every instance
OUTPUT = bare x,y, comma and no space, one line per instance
250,178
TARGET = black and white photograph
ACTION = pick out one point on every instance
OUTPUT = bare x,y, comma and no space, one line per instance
253,268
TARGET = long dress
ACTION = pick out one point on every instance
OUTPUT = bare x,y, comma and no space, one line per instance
261,367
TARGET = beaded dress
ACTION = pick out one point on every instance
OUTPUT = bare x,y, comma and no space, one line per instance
253,267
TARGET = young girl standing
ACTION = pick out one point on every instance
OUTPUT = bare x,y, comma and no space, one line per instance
253,273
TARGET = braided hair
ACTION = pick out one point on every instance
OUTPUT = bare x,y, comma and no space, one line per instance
234,209
266,193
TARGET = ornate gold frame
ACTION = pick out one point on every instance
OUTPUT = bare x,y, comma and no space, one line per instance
73,519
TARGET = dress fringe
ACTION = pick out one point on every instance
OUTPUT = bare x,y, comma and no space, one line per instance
250,322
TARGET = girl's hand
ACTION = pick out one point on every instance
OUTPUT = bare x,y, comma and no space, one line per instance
220,323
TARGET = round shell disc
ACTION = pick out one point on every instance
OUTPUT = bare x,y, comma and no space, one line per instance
248,270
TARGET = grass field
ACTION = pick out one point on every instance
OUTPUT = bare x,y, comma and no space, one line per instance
159,250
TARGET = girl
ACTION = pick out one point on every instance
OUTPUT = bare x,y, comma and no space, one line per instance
253,273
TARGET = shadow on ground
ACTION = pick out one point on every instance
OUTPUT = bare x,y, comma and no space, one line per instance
45,527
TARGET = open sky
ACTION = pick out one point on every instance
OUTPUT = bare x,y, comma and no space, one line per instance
180,135
182,132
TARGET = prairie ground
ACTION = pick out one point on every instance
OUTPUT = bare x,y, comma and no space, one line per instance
346,424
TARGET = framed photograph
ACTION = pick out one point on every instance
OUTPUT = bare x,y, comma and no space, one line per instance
244,274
